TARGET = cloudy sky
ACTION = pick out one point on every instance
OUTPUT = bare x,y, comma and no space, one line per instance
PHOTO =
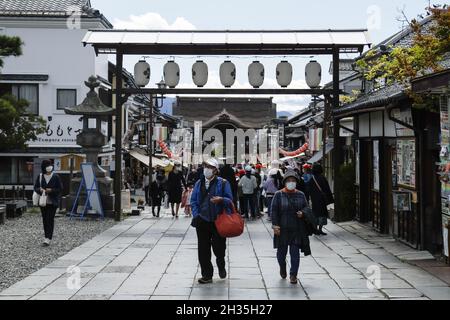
379,16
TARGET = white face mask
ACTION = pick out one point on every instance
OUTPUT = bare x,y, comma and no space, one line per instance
291,186
49,169
209,173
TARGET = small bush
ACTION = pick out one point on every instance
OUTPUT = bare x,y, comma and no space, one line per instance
346,199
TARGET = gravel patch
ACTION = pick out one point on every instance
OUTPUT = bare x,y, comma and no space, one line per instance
21,250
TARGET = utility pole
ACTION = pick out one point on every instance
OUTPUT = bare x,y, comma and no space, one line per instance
150,142
118,147
337,147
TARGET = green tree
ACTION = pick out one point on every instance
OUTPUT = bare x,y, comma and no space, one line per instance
402,64
16,126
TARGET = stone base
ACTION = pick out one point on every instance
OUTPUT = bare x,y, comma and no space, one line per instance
105,186
107,204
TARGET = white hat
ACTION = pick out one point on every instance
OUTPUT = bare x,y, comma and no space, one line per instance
212,162
273,172
248,168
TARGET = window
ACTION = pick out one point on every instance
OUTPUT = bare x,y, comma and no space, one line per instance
66,98
16,170
30,93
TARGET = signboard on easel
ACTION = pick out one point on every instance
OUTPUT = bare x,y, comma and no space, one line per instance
89,183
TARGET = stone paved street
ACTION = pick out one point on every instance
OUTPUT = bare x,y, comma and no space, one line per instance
145,258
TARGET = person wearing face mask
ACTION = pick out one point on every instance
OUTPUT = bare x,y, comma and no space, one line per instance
248,184
211,195
289,210
49,183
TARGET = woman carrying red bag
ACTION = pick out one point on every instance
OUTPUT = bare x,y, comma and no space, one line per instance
210,197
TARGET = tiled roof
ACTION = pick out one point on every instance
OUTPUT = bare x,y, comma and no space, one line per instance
377,98
46,7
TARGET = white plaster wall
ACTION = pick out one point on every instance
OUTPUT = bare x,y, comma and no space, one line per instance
60,54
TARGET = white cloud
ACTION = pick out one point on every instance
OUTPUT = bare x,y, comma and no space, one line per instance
152,20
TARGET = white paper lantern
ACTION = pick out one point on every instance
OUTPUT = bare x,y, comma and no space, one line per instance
313,74
200,73
284,74
142,73
256,74
227,74
171,74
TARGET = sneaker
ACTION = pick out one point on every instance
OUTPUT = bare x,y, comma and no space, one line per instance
294,280
205,280
46,242
222,274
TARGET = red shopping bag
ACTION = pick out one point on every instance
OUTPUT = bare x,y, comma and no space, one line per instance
184,198
230,225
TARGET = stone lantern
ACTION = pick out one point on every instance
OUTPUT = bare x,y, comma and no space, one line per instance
92,140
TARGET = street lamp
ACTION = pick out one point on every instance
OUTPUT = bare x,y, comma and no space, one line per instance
161,86
156,102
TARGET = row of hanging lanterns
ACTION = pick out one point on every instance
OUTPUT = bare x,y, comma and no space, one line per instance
227,72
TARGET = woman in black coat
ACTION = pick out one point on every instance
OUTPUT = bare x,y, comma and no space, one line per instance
50,183
175,184
321,196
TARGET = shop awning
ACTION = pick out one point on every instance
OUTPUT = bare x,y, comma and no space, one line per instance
146,159
319,155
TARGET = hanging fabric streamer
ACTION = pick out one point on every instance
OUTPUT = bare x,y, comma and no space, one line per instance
165,149
295,153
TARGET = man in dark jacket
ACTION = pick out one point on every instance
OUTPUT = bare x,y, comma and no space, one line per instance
211,195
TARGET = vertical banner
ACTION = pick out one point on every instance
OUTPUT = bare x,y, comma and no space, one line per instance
177,142
318,139
376,165
198,143
254,151
281,135
187,147
160,133
312,143
357,162
274,145
262,143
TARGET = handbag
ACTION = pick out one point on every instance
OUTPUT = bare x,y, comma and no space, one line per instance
43,199
327,198
36,195
229,225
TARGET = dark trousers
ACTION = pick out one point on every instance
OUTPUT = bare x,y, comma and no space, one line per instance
269,205
249,203
147,195
158,210
48,218
294,252
208,237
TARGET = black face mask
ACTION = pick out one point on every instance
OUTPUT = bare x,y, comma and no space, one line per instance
248,174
